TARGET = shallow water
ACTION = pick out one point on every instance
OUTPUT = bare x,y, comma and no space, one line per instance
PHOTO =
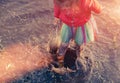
29,21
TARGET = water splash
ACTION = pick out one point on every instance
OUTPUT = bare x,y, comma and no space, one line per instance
17,59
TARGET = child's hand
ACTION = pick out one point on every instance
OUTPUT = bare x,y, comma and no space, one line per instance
56,21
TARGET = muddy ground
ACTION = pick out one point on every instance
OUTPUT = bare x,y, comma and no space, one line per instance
25,27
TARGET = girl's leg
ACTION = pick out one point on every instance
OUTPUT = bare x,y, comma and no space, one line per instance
84,34
61,52
66,35
79,40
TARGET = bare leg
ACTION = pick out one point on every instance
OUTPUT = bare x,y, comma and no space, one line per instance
61,54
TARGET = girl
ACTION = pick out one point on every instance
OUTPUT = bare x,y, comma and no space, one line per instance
77,23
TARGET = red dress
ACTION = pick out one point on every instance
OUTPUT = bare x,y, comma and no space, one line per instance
77,15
